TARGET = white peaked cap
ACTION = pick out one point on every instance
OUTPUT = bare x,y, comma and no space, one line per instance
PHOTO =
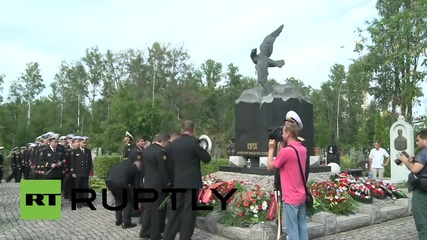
128,134
292,116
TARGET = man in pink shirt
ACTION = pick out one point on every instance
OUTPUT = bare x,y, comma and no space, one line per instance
293,188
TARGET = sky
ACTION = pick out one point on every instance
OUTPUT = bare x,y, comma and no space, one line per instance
316,34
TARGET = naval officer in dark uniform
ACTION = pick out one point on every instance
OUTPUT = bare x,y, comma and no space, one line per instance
123,176
52,160
185,155
81,167
128,146
155,177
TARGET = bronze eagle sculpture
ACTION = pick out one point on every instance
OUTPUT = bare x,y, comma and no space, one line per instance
263,62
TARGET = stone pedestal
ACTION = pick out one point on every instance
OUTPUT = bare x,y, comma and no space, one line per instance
263,161
329,220
401,139
238,161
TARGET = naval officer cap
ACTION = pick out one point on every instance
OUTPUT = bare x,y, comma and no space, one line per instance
84,139
63,138
76,138
1,148
52,138
127,134
70,136
293,117
15,148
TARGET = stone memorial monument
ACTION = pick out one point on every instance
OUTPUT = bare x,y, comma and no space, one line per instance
264,107
401,139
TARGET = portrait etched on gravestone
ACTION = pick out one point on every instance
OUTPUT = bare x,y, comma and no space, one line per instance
400,142
263,61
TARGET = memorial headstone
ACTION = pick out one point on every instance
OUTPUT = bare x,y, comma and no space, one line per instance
401,139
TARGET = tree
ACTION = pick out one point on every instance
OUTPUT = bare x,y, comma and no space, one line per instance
397,54
31,84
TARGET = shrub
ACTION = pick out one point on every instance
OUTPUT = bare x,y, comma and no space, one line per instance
103,165
347,163
213,166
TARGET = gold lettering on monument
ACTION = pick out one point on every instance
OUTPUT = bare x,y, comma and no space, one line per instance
252,146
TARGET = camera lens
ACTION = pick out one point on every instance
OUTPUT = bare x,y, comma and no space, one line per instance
397,161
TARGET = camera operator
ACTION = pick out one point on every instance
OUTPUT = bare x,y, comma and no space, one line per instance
417,181
293,186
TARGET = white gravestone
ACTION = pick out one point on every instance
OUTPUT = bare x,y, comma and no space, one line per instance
401,139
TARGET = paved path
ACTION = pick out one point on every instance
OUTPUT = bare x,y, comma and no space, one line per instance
86,224
80,224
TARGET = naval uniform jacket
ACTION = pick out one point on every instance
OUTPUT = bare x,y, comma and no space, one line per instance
155,171
184,157
127,150
48,156
81,162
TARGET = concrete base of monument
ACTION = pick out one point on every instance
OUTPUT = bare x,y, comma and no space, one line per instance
320,224
264,171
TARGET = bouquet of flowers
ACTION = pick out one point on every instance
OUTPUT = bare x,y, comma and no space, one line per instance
360,192
208,181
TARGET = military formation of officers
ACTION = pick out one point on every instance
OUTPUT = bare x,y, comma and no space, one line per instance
170,161
64,158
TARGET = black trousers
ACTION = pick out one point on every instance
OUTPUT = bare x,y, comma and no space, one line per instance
1,174
15,174
82,182
124,216
183,219
68,184
26,172
154,218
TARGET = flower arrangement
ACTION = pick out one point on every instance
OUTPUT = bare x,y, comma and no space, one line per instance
332,197
360,192
250,205
375,188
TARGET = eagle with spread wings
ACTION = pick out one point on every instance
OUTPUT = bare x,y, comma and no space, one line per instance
262,60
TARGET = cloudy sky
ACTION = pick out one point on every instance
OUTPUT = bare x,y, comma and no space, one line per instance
311,42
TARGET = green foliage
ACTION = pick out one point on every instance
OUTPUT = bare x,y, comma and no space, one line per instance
103,165
97,184
213,166
347,163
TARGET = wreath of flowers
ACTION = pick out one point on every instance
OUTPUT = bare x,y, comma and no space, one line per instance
360,192
375,189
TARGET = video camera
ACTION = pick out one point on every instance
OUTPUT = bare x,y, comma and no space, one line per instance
276,133
398,161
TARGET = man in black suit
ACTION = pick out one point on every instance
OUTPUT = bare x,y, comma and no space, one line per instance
184,156
52,159
136,152
123,176
81,167
67,174
156,177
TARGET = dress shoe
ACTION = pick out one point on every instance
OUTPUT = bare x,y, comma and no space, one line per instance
124,226
118,223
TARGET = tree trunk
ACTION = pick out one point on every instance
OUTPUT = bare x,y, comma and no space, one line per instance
78,111
61,115
29,114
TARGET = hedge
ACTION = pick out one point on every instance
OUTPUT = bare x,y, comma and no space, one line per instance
104,163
